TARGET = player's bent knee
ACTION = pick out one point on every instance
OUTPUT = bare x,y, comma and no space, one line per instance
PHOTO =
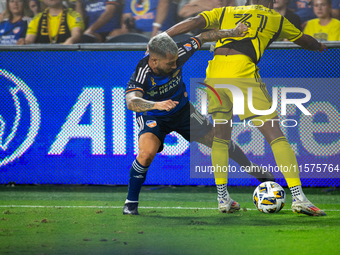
145,158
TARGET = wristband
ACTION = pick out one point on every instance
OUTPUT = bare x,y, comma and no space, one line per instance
156,24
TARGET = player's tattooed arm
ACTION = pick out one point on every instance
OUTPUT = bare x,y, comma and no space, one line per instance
135,102
214,35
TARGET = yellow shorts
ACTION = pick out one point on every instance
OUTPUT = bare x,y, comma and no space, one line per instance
239,71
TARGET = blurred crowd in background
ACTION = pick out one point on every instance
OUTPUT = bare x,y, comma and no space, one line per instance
117,21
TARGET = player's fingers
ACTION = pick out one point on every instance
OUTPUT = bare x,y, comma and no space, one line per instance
244,27
172,106
175,103
168,106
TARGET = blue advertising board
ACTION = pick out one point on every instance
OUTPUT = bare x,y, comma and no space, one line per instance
63,118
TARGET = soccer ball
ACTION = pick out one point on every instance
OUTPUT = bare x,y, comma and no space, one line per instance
269,197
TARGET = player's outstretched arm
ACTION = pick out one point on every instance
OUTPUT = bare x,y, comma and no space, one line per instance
136,103
186,26
309,43
214,35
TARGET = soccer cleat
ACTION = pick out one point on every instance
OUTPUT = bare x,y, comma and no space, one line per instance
306,207
259,173
130,208
227,206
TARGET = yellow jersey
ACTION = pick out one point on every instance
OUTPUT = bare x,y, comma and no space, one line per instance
74,19
264,26
330,32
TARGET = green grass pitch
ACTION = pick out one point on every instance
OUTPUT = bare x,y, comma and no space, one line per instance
172,220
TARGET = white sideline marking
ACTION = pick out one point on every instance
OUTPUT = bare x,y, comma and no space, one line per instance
139,207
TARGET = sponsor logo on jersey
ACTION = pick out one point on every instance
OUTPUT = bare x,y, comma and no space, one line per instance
140,7
321,36
170,85
151,123
152,93
16,30
187,46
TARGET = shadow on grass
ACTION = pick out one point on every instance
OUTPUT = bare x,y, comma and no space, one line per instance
245,219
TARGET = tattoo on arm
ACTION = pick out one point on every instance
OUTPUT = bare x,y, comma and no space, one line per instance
215,35
136,103
141,105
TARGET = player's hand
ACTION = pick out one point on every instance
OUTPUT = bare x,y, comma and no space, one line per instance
240,30
323,47
167,105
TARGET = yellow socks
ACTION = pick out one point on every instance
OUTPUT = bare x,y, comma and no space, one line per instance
286,161
220,159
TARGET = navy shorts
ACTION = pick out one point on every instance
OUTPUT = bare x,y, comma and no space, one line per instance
188,122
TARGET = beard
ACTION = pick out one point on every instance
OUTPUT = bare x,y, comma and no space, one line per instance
162,72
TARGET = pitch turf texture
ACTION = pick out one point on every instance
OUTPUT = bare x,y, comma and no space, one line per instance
172,220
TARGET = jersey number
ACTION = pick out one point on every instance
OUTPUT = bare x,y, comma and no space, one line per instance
244,17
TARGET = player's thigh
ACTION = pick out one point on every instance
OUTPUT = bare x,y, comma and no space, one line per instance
271,130
151,125
148,145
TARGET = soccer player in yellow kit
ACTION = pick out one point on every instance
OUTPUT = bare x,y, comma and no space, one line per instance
237,58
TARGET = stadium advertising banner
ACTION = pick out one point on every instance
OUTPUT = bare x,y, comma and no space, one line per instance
63,119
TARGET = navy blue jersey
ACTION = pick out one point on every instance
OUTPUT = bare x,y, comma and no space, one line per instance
10,33
159,88
95,8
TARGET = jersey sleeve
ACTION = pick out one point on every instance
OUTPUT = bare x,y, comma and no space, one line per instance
289,31
186,49
75,20
134,85
33,25
212,17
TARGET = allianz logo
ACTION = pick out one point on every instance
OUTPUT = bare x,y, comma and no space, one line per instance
19,92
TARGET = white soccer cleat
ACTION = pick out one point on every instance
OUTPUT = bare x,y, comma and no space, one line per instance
227,206
306,207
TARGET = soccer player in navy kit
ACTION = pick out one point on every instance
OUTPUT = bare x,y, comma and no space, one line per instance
157,93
